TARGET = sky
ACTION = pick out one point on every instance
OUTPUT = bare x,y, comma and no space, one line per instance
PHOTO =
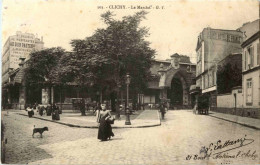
174,27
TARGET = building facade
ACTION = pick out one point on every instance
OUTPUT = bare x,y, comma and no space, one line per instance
16,51
171,81
251,73
213,46
16,47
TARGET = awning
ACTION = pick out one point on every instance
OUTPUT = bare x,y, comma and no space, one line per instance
19,76
194,89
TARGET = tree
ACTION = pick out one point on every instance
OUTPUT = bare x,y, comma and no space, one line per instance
117,49
102,60
41,66
228,76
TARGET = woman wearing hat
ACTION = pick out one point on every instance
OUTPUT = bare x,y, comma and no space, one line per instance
105,129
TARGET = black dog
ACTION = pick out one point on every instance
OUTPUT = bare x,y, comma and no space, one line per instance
40,130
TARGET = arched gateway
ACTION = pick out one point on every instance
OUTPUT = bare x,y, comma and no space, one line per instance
172,79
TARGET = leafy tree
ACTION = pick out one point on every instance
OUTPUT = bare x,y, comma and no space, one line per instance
41,66
228,76
113,51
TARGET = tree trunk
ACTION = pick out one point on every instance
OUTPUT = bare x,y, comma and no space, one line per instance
82,107
101,95
117,104
113,102
134,100
50,95
60,98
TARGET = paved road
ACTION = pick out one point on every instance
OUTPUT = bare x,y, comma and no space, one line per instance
181,134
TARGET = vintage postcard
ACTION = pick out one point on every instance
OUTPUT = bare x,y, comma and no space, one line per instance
132,82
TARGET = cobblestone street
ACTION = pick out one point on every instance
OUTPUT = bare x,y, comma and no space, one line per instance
181,134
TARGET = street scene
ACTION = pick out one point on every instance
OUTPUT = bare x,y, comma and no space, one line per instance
180,134
93,82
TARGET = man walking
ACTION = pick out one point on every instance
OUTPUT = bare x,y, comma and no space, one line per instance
162,109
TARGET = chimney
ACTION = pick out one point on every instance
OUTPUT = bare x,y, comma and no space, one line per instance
42,39
10,69
22,61
175,59
161,71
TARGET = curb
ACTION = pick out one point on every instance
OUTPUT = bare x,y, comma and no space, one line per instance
243,124
93,127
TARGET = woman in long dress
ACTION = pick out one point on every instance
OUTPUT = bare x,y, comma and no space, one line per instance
105,129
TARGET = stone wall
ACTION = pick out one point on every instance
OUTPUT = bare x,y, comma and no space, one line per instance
244,112
226,104
228,100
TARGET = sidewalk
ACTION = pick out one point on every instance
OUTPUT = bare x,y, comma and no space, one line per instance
147,118
245,121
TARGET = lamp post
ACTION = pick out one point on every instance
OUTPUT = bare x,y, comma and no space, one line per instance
127,121
189,71
117,100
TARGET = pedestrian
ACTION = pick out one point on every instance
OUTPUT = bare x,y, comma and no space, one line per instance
105,129
35,107
49,110
97,108
41,109
162,109
55,112
30,111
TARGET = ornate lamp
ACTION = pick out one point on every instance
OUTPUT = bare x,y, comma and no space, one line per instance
127,121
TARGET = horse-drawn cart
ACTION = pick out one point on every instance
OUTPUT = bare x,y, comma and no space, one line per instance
203,104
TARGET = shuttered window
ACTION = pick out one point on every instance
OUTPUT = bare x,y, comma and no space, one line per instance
258,54
252,56
245,60
249,91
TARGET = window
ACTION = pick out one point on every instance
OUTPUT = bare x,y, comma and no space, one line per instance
232,38
245,60
202,82
258,54
250,57
206,81
219,36
249,91
213,78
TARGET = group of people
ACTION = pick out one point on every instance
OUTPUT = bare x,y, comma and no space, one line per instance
51,110
104,117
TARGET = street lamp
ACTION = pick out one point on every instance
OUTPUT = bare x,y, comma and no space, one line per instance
127,120
117,100
189,71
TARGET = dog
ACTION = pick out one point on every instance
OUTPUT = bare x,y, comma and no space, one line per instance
39,130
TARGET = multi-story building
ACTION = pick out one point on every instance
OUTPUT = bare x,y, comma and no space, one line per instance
16,47
213,46
251,73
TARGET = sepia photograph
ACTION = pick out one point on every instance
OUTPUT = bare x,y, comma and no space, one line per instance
130,82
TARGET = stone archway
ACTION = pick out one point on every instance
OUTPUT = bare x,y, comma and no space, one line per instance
178,91
175,87
175,93
175,79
